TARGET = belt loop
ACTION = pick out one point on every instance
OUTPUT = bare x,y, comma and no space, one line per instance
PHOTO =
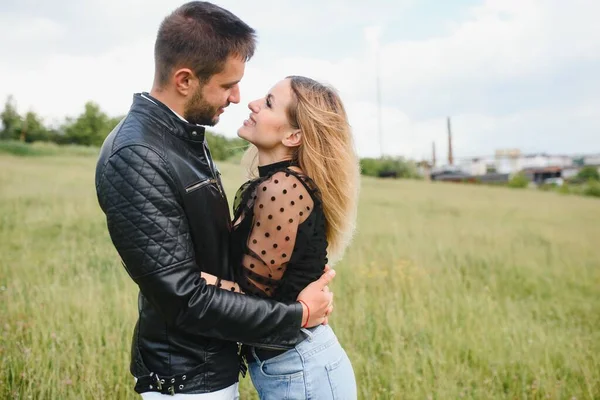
308,333
254,355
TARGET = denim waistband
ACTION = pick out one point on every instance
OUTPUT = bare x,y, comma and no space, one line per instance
317,339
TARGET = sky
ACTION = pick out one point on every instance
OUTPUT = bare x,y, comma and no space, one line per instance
521,74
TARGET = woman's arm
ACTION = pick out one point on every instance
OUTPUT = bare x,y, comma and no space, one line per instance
281,204
221,283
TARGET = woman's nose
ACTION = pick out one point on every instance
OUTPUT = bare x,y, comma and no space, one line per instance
253,106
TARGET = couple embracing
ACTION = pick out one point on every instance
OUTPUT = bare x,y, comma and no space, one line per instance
219,295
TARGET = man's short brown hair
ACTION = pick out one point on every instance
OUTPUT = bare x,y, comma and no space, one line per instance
201,36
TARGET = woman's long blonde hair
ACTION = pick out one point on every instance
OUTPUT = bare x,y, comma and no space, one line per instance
327,155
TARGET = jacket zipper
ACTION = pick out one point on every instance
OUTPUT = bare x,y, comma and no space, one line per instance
210,165
199,185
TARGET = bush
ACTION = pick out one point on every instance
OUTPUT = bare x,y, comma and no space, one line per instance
519,181
369,166
222,148
592,189
588,173
396,167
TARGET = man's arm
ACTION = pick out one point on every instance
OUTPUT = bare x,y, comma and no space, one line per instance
150,231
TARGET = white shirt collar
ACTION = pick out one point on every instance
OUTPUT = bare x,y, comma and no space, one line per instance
153,102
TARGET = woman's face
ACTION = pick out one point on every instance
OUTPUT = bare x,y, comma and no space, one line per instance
268,125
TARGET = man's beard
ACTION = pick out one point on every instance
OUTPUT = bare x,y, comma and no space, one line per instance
199,112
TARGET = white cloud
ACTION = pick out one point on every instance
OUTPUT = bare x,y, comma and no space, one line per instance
61,85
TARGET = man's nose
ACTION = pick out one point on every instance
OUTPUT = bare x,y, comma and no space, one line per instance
234,97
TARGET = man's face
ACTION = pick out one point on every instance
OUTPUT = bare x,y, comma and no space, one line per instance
208,101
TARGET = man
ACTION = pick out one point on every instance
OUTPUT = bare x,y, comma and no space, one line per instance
168,217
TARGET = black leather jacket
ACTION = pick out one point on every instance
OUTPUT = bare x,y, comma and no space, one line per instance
168,218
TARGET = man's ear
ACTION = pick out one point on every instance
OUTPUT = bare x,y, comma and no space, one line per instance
293,139
184,81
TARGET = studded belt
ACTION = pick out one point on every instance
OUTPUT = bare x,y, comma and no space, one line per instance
163,384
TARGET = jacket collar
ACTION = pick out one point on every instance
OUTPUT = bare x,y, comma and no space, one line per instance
146,104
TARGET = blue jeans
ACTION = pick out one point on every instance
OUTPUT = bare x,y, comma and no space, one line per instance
317,368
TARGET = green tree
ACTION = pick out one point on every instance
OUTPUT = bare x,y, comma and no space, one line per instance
11,120
588,173
90,128
33,129
518,181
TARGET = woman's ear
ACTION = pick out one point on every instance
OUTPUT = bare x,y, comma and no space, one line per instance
293,138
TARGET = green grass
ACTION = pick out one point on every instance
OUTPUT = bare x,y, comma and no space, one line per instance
447,291
18,148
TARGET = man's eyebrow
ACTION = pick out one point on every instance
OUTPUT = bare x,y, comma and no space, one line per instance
233,83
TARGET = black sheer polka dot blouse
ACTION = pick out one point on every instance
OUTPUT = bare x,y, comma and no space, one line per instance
278,244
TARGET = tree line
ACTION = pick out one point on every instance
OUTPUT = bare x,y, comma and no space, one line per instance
90,128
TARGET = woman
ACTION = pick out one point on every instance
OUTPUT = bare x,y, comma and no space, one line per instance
288,221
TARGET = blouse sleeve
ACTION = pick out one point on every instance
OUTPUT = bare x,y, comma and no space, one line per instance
281,204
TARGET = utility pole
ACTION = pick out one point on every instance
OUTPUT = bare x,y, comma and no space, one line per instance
433,159
450,155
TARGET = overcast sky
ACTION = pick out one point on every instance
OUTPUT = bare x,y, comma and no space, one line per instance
511,73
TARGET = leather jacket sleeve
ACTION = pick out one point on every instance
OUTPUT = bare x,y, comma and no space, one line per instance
150,231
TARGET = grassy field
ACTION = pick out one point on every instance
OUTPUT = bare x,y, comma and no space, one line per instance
447,292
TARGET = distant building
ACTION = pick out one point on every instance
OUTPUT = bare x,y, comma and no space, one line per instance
570,172
507,161
593,160
476,166
539,175
540,168
511,161
544,160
